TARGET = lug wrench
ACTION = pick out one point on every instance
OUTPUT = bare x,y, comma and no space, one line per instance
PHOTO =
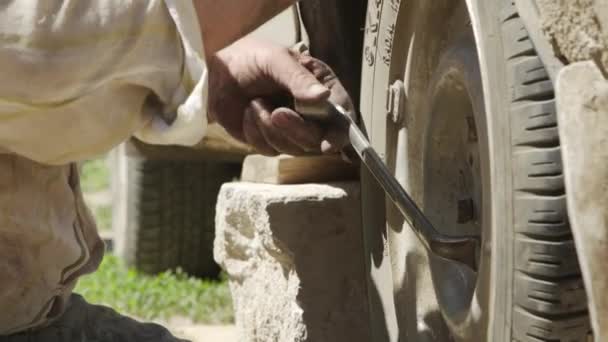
461,249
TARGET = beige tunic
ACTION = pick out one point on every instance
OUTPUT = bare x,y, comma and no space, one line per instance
78,77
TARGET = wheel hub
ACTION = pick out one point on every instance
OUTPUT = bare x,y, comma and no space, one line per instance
452,191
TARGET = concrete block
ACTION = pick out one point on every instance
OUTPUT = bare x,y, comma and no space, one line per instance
583,129
294,257
576,29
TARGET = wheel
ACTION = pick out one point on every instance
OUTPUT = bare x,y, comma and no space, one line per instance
164,212
479,150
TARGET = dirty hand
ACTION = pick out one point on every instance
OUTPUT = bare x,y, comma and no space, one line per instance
250,87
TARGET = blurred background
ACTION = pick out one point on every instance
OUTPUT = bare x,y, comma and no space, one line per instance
169,296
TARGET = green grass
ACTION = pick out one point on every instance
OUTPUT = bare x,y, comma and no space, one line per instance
157,297
95,175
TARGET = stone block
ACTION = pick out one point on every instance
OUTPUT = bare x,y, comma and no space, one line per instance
294,257
577,29
583,129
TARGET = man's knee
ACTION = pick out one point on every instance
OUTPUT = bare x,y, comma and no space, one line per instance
44,241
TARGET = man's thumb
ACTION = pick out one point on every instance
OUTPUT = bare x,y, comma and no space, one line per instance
298,80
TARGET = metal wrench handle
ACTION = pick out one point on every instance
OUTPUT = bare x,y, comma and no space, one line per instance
461,249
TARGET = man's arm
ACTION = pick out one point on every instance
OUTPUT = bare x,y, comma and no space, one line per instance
224,21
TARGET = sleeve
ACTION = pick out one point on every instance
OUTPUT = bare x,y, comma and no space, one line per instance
190,101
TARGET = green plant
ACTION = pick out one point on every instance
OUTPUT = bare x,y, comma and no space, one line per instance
166,295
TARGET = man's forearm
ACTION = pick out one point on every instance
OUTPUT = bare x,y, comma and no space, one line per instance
224,21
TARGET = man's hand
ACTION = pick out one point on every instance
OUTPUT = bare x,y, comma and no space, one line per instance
251,86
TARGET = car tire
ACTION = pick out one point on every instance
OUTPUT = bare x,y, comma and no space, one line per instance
529,285
164,212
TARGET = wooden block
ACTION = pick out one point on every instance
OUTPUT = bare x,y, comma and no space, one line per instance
285,169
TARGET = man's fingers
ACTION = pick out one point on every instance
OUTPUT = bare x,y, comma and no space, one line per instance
319,69
299,81
253,136
306,134
327,76
336,137
296,73
274,136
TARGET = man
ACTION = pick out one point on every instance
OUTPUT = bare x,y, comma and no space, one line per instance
80,77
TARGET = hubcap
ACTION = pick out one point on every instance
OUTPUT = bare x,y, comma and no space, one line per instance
452,191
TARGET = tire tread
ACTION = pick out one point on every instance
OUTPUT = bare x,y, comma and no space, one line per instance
549,296
172,213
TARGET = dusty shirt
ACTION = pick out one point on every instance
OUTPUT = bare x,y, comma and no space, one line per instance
78,77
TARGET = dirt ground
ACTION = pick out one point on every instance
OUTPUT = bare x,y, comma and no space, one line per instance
184,328
204,333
